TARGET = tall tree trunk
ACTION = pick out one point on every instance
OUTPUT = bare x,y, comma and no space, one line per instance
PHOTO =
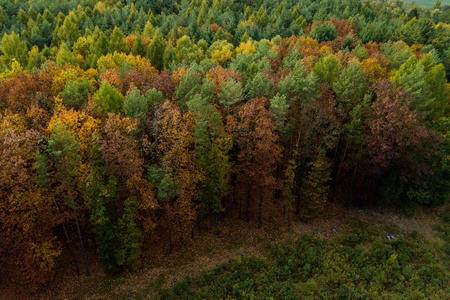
233,186
339,172
303,169
297,210
217,223
217,219
81,242
240,208
351,184
69,245
247,214
277,190
260,207
169,221
289,219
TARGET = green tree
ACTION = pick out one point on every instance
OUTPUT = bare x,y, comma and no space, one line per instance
57,167
231,93
323,32
65,56
350,85
411,77
170,54
212,146
327,68
135,105
299,85
188,87
259,86
12,47
138,47
69,32
75,94
108,100
116,41
149,30
156,51
280,107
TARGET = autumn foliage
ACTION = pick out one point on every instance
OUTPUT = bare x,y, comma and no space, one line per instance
125,127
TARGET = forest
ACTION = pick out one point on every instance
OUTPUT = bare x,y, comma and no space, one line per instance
131,127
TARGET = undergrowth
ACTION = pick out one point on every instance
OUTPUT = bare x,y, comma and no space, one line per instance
365,264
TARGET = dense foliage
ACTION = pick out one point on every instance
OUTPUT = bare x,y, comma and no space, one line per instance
122,123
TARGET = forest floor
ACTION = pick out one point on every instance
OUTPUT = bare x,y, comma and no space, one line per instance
236,238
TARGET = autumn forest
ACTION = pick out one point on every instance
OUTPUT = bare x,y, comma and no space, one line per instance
128,127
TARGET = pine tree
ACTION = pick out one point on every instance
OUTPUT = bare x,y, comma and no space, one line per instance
116,42
65,56
107,99
156,51
350,85
138,47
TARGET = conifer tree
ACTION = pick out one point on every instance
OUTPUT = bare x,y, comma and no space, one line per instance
116,42
107,99
138,47
156,51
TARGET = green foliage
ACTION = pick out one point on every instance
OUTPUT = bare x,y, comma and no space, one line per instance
279,108
116,42
350,85
69,32
231,93
299,85
259,86
65,56
212,146
320,269
153,98
425,81
118,237
135,104
129,248
138,47
156,51
12,47
323,32
57,165
398,53
188,87
327,68
108,100
75,93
